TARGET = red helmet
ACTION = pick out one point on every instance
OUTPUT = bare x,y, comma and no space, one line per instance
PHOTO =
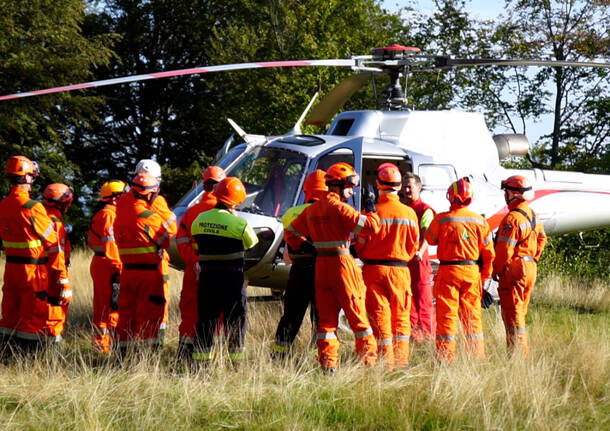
460,192
385,165
342,174
230,191
145,184
215,173
388,177
519,185
58,192
21,166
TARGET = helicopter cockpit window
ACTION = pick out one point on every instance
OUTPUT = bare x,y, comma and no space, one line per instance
340,155
436,176
272,177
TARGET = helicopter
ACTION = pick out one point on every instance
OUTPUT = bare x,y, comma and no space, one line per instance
439,146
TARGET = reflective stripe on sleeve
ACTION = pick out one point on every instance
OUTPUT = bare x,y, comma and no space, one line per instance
47,232
63,281
56,249
360,225
162,238
67,293
527,259
502,238
292,230
169,221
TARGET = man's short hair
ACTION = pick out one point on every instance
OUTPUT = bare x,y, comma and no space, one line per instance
415,177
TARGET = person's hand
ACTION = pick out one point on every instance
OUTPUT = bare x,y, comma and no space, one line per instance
369,199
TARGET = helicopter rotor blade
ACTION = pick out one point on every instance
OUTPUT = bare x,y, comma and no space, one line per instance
444,62
183,72
336,98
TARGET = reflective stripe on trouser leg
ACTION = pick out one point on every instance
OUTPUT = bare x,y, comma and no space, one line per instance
401,349
475,344
445,348
328,348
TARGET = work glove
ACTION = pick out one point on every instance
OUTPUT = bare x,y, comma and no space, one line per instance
368,199
308,248
114,296
65,295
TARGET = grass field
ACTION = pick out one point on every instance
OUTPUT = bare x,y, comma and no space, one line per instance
564,385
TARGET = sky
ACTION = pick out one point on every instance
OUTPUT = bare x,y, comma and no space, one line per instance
482,9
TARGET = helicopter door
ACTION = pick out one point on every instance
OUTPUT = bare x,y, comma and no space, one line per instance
348,152
436,178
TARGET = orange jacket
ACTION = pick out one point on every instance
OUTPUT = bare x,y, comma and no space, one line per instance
329,223
140,233
187,246
462,235
27,232
398,238
159,206
59,279
101,236
516,238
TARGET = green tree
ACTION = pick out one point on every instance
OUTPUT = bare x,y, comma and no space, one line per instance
41,46
578,99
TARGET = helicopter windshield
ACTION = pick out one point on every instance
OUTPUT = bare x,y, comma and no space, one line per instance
272,177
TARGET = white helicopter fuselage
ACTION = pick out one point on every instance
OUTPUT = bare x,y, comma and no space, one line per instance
439,146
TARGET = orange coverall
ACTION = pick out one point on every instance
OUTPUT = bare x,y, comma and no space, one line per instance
386,275
519,246
105,268
56,320
338,282
187,248
159,206
142,238
32,258
463,237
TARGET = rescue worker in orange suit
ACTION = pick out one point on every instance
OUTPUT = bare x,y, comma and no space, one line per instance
329,222
222,238
300,289
161,208
33,263
519,244
465,250
187,247
57,198
386,274
142,238
105,267
422,308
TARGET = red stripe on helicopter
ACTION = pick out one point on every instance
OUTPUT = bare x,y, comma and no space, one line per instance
180,72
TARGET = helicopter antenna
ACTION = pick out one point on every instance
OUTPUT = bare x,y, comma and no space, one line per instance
248,139
296,130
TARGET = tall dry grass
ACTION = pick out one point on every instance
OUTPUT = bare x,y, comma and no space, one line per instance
564,385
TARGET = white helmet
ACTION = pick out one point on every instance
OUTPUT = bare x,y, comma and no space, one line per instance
148,166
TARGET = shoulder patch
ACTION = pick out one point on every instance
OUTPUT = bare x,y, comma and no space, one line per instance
146,214
30,204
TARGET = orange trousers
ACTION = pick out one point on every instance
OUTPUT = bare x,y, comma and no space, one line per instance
56,320
388,303
339,285
457,289
24,314
515,291
188,306
105,320
142,307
